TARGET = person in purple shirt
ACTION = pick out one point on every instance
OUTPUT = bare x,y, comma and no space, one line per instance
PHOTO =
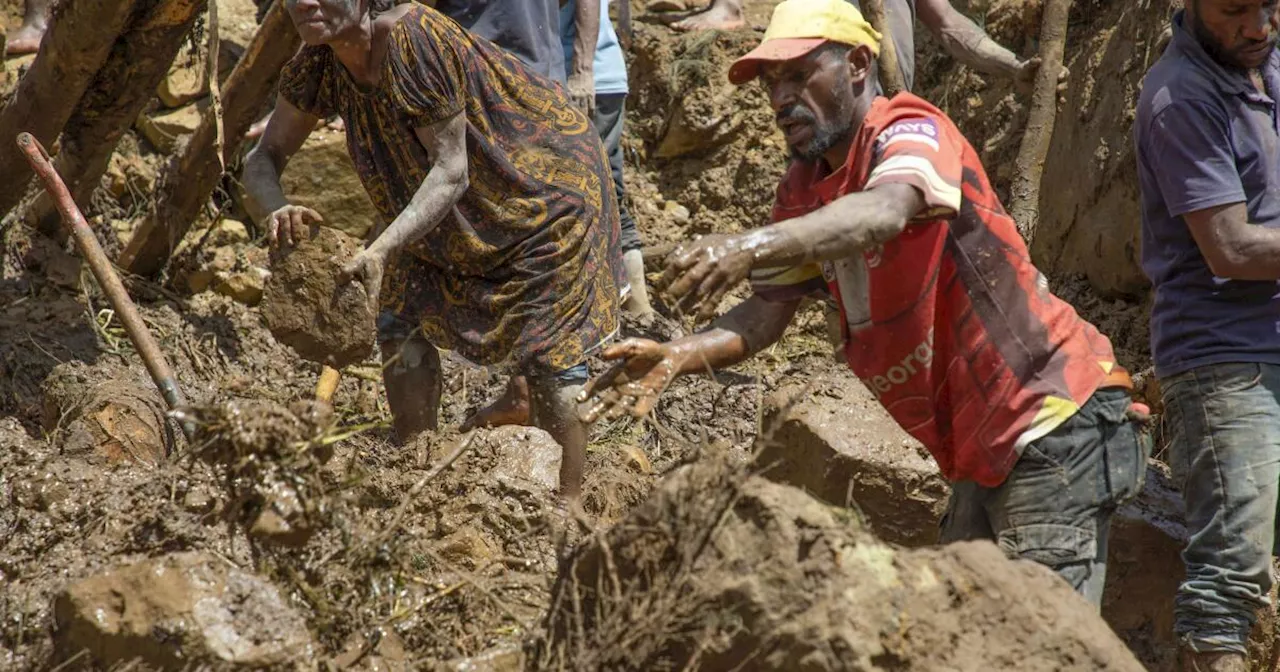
1207,138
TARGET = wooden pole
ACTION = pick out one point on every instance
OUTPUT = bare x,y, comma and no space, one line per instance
890,72
1024,203
191,176
79,38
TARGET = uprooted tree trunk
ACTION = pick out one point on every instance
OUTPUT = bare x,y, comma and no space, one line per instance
192,174
1024,205
123,86
890,71
79,38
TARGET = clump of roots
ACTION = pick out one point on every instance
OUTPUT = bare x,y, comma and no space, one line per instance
271,457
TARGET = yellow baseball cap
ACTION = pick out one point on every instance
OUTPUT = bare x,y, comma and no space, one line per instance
800,26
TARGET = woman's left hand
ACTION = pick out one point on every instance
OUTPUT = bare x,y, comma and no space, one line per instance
366,268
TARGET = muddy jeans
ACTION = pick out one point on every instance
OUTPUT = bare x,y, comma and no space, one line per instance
1222,423
1055,507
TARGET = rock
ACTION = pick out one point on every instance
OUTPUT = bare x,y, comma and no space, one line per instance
306,309
387,654
529,458
719,567
218,267
321,176
187,78
177,611
164,128
838,442
107,410
245,286
678,214
229,232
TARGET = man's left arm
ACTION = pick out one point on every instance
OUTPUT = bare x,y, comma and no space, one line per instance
970,44
582,84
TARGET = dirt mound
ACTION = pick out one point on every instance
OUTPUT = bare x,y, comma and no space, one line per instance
306,308
178,610
723,570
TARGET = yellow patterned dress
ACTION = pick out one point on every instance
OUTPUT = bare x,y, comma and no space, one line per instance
527,268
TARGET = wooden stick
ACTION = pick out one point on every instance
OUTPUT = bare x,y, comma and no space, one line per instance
890,72
1024,204
328,384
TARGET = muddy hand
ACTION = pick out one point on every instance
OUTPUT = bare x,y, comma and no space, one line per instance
1027,70
366,268
699,273
290,224
643,370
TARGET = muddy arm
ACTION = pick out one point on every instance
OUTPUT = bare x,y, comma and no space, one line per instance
446,182
1232,246
284,135
965,41
736,336
586,20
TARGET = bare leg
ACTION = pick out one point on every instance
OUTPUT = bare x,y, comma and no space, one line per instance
413,383
34,22
554,410
721,15
512,408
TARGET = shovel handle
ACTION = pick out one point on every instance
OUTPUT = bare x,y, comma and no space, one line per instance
106,276
328,384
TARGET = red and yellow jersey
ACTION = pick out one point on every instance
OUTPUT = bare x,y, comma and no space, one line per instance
949,324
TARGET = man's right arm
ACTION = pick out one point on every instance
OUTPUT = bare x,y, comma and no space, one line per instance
1189,144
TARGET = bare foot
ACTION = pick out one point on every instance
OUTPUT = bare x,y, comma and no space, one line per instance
512,408
25,41
720,15
337,124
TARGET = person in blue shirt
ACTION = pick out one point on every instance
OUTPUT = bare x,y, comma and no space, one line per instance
1207,138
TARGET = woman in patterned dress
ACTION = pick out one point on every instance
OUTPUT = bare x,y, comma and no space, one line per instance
501,231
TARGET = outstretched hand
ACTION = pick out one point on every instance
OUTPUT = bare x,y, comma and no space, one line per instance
366,268
642,371
700,272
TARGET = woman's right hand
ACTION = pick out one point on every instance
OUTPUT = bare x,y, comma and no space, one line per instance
633,384
289,224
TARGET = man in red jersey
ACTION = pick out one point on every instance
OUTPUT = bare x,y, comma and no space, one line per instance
886,206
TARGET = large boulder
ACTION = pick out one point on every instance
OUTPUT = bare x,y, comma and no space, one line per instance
179,611
322,177
834,440
723,570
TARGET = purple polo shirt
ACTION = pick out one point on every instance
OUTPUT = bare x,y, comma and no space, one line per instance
1206,137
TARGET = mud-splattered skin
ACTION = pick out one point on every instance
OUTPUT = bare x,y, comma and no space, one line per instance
810,95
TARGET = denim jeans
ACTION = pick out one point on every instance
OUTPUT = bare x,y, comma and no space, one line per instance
611,111
1055,507
1222,423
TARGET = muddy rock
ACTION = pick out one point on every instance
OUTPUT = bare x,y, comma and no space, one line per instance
306,309
837,442
229,232
109,411
179,610
321,176
529,459
187,78
720,567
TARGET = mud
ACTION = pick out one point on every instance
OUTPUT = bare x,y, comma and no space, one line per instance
720,569
307,309
107,410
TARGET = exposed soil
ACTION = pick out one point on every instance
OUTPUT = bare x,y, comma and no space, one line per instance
450,548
